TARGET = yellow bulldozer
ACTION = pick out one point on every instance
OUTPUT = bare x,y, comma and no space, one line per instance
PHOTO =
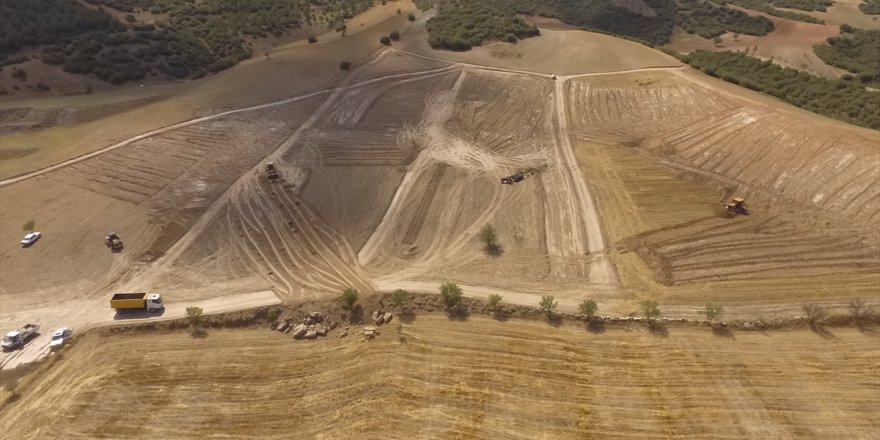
737,206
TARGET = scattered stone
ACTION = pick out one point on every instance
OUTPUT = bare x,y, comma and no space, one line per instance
311,334
331,324
316,316
343,334
299,331
311,328
379,320
308,321
321,330
370,332
282,326
388,317
375,315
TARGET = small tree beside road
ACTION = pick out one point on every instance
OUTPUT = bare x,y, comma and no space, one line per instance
650,309
399,298
588,309
548,305
348,298
814,313
195,319
714,312
494,302
450,294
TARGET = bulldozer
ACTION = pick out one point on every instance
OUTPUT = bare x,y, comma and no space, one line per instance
271,171
737,206
113,242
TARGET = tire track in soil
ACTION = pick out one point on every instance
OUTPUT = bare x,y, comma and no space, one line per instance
421,212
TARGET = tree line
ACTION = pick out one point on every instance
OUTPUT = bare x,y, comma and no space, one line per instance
855,50
708,20
847,101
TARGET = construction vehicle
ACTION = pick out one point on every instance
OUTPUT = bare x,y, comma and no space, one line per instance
271,171
737,206
124,302
113,242
510,180
17,338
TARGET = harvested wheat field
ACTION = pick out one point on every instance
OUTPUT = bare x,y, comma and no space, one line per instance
474,379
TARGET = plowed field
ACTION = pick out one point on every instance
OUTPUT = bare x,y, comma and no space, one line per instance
475,379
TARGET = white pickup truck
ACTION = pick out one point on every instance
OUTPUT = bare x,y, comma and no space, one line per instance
17,338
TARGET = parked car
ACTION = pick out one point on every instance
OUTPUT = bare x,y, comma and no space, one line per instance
60,337
30,239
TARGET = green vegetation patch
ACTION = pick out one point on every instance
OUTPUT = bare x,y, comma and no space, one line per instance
857,52
708,21
460,24
463,24
188,40
767,8
37,22
839,99
870,7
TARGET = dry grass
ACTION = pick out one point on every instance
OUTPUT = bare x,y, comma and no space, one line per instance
474,379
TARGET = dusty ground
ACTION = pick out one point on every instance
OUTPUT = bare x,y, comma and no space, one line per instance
388,172
474,379
790,44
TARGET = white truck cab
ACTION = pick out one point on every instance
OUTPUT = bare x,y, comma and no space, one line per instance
154,302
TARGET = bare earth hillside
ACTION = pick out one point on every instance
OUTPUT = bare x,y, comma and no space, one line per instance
475,379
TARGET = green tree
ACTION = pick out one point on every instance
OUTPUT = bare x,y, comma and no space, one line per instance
450,294
650,309
348,298
713,312
548,304
194,315
489,237
588,308
399,298
494,301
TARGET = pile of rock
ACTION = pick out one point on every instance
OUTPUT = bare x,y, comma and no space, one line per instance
315,324
381,318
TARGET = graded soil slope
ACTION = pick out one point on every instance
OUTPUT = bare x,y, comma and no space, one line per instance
475,379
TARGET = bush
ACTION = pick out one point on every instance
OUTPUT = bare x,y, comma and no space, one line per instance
859,310
588,308
494,301
313,39
650,309
28,226
814,313
348,298
345,65
510,38
399,298
714,312
195,318
130,18
385,40
411,17
394,35
548,304
450,294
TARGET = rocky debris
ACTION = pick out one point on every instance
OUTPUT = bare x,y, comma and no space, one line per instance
299,331
370,332
388,317
316,317
331,324
379,317
343,334
379,320
321,330
375,315
311,334
283,326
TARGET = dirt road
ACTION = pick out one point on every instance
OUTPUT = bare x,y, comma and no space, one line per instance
83,315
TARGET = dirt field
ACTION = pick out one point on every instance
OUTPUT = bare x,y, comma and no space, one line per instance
790,44
474,379
845,12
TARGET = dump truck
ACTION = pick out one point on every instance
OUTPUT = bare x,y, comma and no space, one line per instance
737,206
113,242
124,302
17,338
271,171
